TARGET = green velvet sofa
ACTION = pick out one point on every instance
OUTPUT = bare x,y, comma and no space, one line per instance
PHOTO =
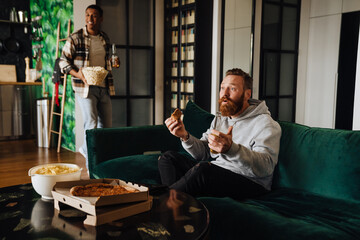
316,186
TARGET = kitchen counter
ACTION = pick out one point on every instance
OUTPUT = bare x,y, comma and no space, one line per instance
22,83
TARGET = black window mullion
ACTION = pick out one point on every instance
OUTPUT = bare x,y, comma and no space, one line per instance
296,60
279,53
127,92
153,58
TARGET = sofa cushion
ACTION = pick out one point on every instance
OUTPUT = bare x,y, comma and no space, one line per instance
108,143
136,168
283,214
196,120
323,161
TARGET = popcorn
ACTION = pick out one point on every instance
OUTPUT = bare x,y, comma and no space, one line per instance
55,170
94,75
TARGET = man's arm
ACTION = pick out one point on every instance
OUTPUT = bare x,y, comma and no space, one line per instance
78,74
199,148
67,63
67,57
262,155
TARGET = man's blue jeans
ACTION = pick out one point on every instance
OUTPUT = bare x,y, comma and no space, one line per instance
96,111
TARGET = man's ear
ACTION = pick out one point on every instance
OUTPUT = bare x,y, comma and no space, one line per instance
248,93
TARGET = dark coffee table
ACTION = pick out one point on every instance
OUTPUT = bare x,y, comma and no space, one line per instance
174,215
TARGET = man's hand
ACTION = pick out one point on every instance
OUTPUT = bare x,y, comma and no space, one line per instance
220,142
81,76
78,74
176,128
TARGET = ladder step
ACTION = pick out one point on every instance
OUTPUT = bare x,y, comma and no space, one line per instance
59,114
61,40
54,131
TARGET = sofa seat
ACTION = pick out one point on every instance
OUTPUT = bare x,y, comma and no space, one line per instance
283,214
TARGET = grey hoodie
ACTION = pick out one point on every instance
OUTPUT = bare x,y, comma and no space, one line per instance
255,148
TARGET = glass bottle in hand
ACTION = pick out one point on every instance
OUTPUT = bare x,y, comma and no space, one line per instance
115,61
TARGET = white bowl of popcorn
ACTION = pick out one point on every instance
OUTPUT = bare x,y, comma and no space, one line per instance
94,75
44,177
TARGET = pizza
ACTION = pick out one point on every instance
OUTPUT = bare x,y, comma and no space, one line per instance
100,189
176,114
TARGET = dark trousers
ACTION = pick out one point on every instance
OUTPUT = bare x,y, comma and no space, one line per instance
204,178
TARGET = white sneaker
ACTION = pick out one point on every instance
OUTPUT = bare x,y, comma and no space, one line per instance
81,150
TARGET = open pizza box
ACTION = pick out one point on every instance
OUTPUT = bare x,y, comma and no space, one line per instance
103,209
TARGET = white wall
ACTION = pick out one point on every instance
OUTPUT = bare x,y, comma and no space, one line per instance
159,61
216,51
318,61
257,42
356,117
79,7
237,35
237,41
322,64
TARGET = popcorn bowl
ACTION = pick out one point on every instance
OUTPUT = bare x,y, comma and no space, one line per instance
94,75
43,183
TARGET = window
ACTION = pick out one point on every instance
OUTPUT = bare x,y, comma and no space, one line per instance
130,25
279,56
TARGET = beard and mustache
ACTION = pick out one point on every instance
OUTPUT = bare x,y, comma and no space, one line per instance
232,107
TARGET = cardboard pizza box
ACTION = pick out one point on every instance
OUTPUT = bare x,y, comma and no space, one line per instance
103,209
61,192
106,214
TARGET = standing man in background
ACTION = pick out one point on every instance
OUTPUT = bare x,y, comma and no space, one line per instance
87,47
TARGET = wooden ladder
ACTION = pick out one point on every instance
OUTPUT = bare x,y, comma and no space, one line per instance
63,95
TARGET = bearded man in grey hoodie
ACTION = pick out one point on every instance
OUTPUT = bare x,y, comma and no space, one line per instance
236,156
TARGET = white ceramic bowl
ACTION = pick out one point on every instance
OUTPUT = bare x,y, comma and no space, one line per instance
43,184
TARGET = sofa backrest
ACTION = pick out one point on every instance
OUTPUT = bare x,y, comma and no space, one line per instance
322,161
196,120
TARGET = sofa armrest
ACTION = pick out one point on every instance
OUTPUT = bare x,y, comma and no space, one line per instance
108,143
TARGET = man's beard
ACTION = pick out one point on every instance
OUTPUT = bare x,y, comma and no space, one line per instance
231,108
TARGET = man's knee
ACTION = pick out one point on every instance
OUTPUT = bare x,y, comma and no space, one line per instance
202,168
167,155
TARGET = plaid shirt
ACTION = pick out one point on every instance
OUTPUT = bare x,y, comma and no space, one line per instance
75,54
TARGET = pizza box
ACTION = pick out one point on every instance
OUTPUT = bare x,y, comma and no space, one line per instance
61,193
116,212
103,209
108,213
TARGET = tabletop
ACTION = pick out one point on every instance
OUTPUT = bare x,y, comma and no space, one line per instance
174,215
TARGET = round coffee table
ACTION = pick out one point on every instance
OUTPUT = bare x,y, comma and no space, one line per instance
174,215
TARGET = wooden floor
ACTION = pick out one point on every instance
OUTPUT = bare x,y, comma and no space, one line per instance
18,156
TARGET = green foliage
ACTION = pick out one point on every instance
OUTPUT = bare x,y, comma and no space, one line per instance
52,13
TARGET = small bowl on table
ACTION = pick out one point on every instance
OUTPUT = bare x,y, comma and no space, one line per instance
44,177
